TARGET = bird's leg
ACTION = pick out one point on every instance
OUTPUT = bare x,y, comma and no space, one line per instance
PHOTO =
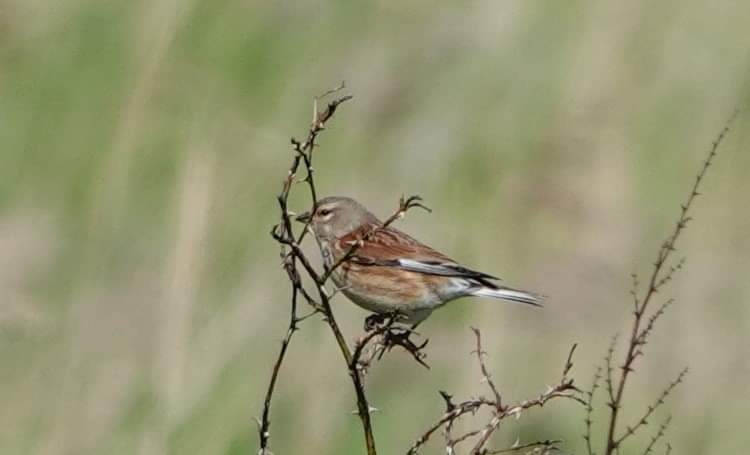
380,327
377,326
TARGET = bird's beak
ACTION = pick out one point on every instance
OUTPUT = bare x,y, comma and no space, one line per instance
303,217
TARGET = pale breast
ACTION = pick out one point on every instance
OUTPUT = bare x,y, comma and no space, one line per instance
386,289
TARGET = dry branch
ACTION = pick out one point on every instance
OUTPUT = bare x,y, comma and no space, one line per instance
291,255
644,321
499,411
293,258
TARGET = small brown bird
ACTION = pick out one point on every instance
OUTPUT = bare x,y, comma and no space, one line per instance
391,271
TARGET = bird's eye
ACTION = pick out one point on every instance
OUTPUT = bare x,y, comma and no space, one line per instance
324,212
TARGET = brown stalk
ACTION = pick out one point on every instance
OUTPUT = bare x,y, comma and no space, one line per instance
661,274
293,257
590,409
547,445
563,389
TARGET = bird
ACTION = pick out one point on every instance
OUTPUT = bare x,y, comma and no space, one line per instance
386,271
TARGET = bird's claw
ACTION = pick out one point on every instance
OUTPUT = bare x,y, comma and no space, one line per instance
381,329
373,321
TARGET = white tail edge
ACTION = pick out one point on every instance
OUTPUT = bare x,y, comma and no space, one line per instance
509,294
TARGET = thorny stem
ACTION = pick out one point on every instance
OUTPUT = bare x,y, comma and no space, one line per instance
564,388
651,408
265,422
485,374
659,434
590,409
657,279
500,411
290,267
548,445
284,234
292,255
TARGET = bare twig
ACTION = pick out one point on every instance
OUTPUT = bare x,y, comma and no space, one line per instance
305,150
630,430
563,389
291,255
486,377
449,406
659,434
610,369
590,409
661,274
643,336
466,407
265,422
547,445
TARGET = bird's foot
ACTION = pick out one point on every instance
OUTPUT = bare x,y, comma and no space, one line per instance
382,335
402,336
374,320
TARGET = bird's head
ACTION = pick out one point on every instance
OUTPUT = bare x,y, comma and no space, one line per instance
336,216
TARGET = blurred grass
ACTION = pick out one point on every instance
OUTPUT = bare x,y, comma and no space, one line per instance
142,144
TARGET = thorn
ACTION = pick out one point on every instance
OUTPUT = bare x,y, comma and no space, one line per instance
370,410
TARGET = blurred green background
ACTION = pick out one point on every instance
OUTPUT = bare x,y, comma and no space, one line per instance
142,144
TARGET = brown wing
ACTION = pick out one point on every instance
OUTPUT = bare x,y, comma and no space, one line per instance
393,248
